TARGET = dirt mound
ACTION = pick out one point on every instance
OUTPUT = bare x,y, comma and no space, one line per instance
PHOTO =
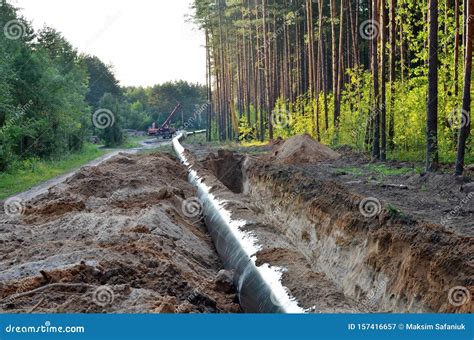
112,238
302,149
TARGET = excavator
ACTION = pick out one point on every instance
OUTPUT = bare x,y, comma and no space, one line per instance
164,131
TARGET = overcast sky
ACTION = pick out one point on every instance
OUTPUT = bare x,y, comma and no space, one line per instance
147,41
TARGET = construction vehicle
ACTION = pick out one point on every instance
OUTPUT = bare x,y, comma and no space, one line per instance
164,131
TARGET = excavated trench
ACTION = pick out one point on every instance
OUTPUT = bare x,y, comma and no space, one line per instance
290,243
332,258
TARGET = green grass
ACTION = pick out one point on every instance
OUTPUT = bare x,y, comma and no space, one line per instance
381,170
130,143
384,170
196,139
34,171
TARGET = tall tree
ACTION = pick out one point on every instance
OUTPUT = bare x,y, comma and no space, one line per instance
393,47
432,156
383,67
335,63
466,102
456,47
375,74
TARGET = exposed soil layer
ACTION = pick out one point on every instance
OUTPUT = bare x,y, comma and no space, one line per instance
227,167
398,253
112,238
411,265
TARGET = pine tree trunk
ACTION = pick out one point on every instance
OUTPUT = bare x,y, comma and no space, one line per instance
432,107
393,46
334,58
383,66
466,102
375,74
456,47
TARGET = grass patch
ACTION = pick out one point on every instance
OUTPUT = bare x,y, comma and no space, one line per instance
31,172
378,169
199,138
129,143
133,142
382,169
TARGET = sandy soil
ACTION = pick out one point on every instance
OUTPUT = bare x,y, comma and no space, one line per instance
120,237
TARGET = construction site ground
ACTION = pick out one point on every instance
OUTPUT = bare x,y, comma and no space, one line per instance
117,237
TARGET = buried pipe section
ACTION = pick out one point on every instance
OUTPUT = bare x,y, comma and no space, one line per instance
259,288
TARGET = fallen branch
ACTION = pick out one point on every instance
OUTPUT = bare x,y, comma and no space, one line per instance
48,286
36,306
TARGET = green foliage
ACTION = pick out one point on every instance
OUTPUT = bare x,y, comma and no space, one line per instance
43,84
112,135
48,94
24,174
286,79
246,131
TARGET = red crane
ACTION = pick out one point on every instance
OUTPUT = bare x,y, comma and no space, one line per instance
164,130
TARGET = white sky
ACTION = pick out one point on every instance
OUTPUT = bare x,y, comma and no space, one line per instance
147,41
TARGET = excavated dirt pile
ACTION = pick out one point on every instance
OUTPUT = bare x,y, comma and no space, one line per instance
121,237
301,149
